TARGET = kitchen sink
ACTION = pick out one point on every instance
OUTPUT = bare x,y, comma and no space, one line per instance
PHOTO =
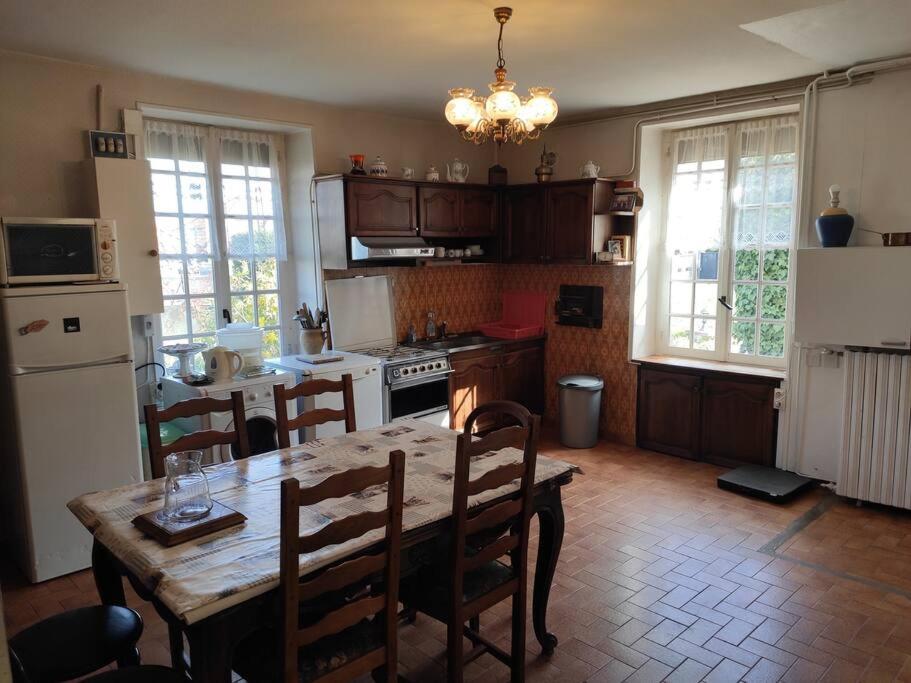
455,343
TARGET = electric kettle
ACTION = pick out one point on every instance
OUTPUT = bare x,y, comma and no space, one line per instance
222,363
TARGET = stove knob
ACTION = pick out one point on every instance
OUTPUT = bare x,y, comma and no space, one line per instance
251,396
422,368
396,373
405,371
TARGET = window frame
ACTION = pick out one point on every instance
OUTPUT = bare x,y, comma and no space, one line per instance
724,318
219,253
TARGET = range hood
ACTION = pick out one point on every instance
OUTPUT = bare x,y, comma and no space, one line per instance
380,248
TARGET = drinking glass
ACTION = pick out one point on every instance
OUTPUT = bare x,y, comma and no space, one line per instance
186,489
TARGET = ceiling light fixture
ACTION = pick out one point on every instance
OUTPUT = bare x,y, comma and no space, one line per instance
502,115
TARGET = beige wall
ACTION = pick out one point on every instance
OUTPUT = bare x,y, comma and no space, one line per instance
49,105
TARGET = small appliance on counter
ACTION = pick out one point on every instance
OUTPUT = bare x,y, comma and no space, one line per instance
523,316
580,306
246,340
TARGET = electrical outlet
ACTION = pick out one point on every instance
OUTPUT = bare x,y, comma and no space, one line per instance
778,399
148,329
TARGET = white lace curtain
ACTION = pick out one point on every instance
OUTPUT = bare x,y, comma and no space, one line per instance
222,153
768,137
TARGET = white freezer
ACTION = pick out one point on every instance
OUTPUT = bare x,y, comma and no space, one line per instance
72,440
367,378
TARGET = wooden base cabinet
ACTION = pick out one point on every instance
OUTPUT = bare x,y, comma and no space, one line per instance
513,371
723,418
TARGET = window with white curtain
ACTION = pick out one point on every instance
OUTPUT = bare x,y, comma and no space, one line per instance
219,217
728,240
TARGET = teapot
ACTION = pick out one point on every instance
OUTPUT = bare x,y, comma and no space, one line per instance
458,172
222,363
589,170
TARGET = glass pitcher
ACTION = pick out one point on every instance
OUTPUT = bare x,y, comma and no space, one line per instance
186,489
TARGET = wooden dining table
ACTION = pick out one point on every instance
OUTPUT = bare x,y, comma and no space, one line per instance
220,588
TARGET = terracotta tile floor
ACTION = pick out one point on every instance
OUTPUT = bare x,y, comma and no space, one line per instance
665,577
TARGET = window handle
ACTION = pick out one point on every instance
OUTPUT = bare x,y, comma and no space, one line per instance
723,300
226,314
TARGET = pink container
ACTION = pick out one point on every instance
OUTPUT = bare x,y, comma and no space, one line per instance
523,316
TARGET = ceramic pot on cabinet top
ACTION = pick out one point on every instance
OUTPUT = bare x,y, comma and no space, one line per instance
379,167
589,170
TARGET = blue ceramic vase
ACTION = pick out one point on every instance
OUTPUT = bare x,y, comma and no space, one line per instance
834,225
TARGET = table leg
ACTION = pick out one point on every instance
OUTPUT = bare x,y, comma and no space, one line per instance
210,651
108,581
549,509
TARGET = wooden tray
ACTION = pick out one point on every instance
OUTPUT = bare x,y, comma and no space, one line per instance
174,533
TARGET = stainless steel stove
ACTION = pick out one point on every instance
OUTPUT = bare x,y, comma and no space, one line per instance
362,319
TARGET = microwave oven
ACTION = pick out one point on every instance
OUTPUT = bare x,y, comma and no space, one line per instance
57,250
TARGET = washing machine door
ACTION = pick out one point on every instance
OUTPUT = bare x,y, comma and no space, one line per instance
261,433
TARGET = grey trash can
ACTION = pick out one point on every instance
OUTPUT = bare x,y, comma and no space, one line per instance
580,406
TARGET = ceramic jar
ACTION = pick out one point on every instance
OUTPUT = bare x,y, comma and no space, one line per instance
379,167
432,174
589,170
834,225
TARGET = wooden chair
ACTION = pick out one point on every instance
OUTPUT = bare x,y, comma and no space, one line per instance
309,418
326,632
206,438
480,537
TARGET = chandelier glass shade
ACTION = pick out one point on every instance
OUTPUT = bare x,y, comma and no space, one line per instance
502,115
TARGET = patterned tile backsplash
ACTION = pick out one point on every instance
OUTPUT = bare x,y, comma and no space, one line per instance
468,295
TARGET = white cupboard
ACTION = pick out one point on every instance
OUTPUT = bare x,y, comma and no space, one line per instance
123,192
854,296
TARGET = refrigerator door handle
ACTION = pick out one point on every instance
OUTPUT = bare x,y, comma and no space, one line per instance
46,367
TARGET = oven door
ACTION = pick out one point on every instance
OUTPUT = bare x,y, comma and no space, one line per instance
425,399
43,251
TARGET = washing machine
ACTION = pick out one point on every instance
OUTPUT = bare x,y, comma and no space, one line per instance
259,407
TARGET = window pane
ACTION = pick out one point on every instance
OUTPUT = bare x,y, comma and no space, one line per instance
271,346
777,225
746,264
171,277
708,265
164,192
168,229
202,314
239,273
238,232
750,185
174,318
682,266
193,194
232,169
260,172
704,334
680,333
264,237
745,301
749,226
781,185
268,309
266,273
743,337
234,195
261,198
200,276
775,265
682,298
774,302
242,308
771,340
192,166
706,298
196,233
161,164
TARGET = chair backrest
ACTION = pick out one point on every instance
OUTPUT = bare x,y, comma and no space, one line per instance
309,418
206,438
486,526
348,573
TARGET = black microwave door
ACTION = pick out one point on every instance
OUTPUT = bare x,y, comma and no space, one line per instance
44,250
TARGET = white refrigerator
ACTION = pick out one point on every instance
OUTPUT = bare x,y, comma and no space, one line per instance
68,409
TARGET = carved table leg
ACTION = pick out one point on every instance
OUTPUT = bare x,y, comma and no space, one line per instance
549,509
211,650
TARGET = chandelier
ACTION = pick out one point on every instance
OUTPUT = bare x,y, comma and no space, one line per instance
502,115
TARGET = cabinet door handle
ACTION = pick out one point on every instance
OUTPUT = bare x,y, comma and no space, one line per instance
153,252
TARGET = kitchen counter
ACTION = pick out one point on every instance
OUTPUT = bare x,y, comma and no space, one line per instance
468,341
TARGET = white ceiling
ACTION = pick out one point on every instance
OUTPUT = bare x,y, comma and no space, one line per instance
401,56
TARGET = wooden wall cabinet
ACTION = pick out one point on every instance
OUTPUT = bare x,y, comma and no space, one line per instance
563,222
723,418
457,212
381,209
123,192
513,371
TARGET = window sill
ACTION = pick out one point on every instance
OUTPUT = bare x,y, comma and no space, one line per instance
714,366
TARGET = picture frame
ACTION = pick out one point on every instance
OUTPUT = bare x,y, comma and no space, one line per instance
623,203
110,144
619,248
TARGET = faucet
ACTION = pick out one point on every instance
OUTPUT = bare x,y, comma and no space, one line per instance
430,331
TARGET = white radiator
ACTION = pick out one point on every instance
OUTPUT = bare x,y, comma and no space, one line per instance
876,442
